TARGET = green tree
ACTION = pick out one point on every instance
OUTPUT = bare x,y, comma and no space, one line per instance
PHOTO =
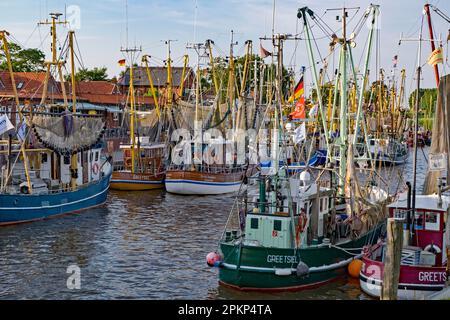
23,60
95,74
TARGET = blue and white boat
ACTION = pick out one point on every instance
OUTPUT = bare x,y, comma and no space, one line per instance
53,164
49,199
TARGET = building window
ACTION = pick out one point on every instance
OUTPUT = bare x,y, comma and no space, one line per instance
20,85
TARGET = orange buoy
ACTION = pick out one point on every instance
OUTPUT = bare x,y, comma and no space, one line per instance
354,268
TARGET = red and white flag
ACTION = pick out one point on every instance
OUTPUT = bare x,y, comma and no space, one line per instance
263,52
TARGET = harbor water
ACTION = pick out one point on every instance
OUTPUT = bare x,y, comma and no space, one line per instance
140,245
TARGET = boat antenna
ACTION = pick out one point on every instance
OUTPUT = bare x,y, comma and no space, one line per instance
126,23
195,20
416,124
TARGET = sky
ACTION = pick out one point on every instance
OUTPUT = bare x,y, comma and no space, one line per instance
103,26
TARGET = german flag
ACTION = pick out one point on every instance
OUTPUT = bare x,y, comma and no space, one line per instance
122,62
298,91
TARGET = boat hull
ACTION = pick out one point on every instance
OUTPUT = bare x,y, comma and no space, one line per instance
128,181
22,208
250,268
200,183
415,282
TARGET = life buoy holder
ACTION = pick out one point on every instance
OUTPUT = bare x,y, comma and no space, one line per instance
433,248
95,168
301,225
24,190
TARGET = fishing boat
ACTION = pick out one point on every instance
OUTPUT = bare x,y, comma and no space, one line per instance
209,167
292,231
388,151
143,166
54,164
205,179
424,263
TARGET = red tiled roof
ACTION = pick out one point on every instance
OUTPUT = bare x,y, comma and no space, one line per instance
27,83
95,87
96,92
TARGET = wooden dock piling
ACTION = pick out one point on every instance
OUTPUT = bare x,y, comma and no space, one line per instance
391,272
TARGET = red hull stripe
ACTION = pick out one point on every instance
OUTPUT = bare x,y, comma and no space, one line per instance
282,289
405,286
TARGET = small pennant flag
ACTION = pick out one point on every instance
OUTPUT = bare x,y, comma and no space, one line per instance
299,133
5,124
298,91
395,61
263,52
314,110
22,131
436,57
122,62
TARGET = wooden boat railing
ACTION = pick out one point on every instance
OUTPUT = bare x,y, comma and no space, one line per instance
207,169
61,187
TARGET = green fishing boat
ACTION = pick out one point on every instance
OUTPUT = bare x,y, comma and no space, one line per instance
291,230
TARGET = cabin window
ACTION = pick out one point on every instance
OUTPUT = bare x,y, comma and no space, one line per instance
432,221
96,156
372,142
254,223
91,156
400,214
66,160
277,225
43,157
320,204
419,220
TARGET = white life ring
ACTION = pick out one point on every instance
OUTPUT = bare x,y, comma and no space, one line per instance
95,168
432,248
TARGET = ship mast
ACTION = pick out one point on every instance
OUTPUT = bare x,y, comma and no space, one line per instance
55,61
433,47
145,58
3,35
131,53
74,158
169,73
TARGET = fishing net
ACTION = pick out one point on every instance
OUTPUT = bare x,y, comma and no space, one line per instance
67,133
440,135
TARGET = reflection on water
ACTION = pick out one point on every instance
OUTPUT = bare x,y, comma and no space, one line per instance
140,245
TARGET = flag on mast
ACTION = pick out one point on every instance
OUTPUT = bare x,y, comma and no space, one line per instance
122,62
299,133
436,57
5,124
263,52
395,61
298,91
299,111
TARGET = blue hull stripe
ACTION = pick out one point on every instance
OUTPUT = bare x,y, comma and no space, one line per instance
22,208
205,183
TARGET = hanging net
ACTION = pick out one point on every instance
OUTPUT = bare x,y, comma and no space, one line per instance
67,133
